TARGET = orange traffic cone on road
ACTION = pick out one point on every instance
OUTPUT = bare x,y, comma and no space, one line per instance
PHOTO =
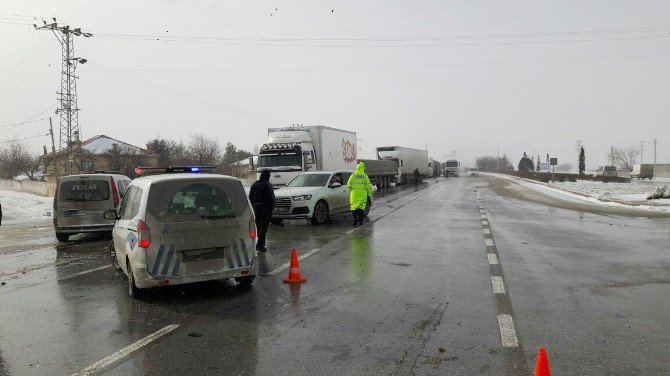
542,364
294,275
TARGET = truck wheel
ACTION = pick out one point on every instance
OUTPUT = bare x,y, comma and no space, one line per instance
112,256
320,215
134,291
62,237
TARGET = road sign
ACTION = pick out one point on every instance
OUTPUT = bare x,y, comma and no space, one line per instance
553,161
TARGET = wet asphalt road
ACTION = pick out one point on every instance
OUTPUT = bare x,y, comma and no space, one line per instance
409,293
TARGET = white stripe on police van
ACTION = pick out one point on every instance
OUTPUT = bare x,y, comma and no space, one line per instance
498,286
488,242
124,352
493,259
507,332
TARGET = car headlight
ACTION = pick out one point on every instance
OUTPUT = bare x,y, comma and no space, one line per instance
302,198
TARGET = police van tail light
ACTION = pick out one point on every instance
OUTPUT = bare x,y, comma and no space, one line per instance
252,226
115,192
143,234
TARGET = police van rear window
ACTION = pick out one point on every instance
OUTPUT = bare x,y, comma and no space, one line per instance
181,201
84,190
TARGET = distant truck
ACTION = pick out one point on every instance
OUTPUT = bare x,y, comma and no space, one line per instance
642,171
293,150
381,172
408,160
452,167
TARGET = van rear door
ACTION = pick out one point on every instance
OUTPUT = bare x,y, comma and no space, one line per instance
82,200
201,226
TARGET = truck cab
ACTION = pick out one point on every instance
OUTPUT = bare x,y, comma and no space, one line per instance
452,167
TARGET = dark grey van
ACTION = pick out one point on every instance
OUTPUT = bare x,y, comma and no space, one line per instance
81,200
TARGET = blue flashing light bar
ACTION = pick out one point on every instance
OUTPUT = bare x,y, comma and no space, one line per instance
173,170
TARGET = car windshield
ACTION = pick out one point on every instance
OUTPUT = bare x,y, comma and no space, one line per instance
610,168
452,164
473,169
84,190
280,160
310,180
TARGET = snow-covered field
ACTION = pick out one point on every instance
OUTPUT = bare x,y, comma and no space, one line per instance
580,195
635,192
21,207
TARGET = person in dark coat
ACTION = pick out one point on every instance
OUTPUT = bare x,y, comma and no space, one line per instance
0,214
262,197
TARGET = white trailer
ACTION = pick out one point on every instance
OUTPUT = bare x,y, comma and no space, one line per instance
293,150
408,161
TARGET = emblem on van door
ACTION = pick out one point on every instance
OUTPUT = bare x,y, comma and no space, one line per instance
277,176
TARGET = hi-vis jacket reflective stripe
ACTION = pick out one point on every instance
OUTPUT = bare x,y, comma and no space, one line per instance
359,187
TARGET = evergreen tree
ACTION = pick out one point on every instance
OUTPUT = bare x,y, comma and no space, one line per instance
526,164
582,161
537,168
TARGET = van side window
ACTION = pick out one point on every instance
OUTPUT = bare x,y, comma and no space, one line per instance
131,203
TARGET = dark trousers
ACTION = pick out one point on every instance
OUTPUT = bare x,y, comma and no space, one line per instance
262,225
359,215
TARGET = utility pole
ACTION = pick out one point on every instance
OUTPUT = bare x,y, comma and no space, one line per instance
641,151
68,109
655,144
612,154
498,161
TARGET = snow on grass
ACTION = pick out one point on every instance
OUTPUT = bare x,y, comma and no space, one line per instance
635,192
660,205
20,206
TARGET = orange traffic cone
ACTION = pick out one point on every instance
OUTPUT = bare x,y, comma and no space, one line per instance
542,364
294,275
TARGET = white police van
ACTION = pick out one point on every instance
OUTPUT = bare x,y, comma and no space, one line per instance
183,226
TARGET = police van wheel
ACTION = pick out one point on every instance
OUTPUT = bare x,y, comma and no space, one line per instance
62,237
112,256
245,281
134,291
320,213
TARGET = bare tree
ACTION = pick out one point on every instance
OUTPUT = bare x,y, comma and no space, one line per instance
124,160
15,160
203,150
624,158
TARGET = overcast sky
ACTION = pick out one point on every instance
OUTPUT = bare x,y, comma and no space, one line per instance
465,77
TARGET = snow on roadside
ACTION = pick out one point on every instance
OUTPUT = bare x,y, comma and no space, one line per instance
21,207
664,205
635,192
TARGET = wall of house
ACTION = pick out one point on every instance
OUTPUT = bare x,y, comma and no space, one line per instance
662,171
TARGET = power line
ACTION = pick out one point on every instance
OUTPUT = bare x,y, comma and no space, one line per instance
25,138
22,123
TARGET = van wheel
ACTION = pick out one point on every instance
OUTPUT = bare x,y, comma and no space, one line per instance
134,291
320,215
245,281
62,237
112,256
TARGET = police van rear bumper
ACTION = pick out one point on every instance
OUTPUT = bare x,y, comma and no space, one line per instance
144,280
84,228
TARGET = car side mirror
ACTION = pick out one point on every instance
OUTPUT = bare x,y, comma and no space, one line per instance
336,185
111,215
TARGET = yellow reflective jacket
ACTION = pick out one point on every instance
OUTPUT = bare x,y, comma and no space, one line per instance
360,188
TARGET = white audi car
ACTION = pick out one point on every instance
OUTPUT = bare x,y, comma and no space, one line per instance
315,196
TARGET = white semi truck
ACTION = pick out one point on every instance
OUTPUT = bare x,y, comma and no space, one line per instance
452,167
293,150
408,160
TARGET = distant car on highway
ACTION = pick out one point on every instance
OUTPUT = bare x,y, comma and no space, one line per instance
315,196
183,226
80,201
605,171
473,172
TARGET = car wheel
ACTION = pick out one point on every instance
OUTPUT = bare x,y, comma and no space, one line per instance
112,256
245,281
276,221
62,237
320,215
134,291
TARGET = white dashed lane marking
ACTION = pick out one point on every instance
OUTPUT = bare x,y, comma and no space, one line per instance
489,242
493,259
507,332
300,258
486,231
497,284
485,223
124,352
